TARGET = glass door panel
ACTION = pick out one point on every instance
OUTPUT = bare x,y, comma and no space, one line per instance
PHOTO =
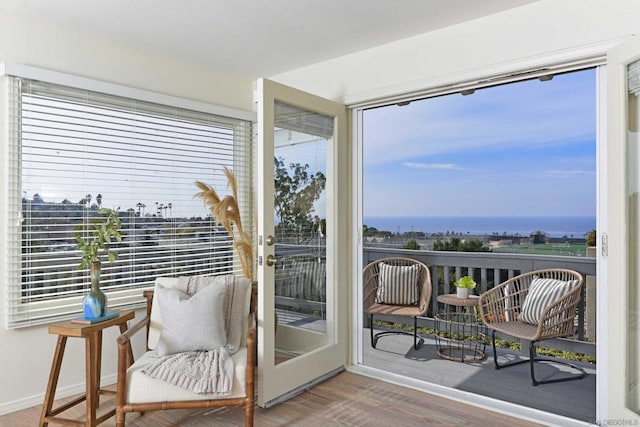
633,242
302,139
618,371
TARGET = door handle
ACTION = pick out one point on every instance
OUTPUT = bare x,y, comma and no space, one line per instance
271,260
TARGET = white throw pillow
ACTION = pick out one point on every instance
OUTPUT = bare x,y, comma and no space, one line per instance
191,323
542,293
398,284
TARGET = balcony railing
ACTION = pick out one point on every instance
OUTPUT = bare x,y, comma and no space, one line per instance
301,279
490,269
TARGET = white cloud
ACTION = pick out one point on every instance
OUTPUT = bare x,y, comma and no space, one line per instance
439,166
526,115
568,172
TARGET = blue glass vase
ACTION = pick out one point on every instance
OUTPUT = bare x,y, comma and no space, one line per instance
95,302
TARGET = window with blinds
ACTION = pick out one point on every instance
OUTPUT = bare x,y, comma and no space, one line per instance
74,151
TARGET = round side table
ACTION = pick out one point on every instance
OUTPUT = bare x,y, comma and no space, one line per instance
460,336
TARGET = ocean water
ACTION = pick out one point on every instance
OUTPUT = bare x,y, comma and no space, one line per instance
556,226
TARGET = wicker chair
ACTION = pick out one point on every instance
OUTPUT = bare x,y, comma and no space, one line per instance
371,307
138,393
501,306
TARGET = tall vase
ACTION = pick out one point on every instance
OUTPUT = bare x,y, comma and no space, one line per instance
95,302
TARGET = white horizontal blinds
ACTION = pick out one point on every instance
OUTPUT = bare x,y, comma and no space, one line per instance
13,244
633,78
304,121
83,150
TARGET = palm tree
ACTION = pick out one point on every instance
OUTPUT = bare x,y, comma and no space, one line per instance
140,207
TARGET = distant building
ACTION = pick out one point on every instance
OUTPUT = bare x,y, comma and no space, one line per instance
538,237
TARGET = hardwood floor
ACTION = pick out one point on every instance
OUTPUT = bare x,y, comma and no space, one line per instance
345,400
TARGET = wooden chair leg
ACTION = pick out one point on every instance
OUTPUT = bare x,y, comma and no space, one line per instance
248,415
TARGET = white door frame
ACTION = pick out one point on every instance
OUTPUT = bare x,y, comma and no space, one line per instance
613,299
602,215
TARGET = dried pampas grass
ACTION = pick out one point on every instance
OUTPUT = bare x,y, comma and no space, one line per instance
225,211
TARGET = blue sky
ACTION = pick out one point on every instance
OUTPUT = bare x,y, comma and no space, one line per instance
522,149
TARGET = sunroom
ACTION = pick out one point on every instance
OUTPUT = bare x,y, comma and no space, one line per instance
160,56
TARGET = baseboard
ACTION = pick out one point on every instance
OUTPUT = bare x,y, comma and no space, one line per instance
61,392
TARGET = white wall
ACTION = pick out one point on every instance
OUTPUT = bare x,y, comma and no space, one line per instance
26,354
546,27
60,49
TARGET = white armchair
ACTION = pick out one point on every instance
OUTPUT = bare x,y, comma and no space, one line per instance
139,392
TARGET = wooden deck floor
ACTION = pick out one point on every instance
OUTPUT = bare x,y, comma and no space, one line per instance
573,399
344,400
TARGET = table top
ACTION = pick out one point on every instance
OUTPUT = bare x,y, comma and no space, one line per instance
452,299
69,329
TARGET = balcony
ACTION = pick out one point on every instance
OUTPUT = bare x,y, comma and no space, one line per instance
574,399
395,354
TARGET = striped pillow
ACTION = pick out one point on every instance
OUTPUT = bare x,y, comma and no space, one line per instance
398,284
542,293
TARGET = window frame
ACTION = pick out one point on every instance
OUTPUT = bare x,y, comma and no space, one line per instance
11,277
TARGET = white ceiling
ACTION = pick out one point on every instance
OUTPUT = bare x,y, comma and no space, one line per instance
254,38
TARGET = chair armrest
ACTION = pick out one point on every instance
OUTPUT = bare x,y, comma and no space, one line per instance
125,358
125,338
503,302
557,320
492,305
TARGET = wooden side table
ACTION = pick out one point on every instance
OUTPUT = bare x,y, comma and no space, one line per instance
92,335
459,335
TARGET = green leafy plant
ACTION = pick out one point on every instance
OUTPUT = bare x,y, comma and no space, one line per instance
412,244
465,282
103,235
591,238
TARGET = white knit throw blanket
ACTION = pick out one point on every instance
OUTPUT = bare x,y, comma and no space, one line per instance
197,371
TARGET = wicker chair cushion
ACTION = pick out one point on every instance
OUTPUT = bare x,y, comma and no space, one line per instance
398,284
192,323
542,293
